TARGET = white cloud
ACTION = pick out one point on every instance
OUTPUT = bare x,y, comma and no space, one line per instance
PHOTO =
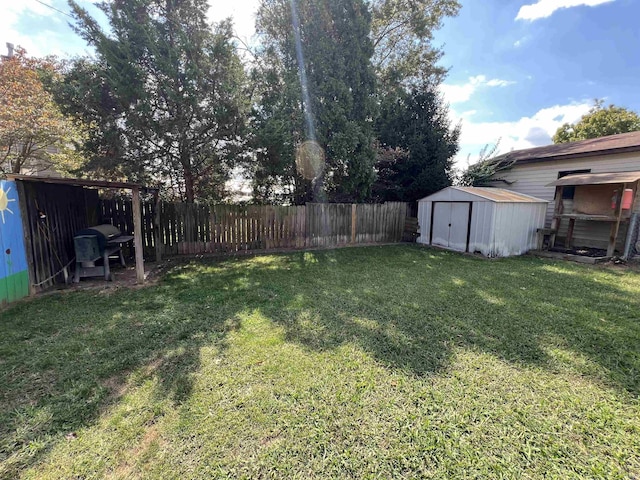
526,132
545,8
499,83
462,93
521,41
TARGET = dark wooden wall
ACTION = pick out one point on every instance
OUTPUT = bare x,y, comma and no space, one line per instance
51,216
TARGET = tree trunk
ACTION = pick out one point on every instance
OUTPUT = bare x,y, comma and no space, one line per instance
317,185
189,178
188,185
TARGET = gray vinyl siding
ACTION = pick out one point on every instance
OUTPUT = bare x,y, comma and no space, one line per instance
531,179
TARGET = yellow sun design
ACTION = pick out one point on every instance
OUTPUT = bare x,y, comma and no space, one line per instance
4,202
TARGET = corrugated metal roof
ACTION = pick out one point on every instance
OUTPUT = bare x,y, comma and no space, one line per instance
623,142
597,179
500,195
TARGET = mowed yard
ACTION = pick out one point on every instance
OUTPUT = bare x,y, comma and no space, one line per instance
374,362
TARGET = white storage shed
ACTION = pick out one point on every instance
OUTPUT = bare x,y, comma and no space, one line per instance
492,221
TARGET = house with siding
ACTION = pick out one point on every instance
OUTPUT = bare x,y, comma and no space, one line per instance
532,171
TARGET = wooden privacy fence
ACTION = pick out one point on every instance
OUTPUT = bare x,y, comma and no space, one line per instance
193,229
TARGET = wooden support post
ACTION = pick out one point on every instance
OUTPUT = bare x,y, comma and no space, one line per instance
615,226
157,238
137,234
555,223
353,222
572,224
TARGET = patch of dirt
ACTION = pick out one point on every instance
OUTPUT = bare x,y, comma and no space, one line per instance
126,468
116,386
583,251
153,366
271,439
122,278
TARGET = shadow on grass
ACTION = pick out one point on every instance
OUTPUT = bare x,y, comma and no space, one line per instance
64,359
409,306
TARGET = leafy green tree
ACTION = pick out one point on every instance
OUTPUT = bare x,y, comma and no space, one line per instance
336,108
82,92
416,140
34,134
402,33
417,145
165,95
599,122
483,172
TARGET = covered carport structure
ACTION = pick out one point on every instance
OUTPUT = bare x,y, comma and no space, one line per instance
598,198
54,209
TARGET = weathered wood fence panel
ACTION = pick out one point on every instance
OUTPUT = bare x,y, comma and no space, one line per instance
52,214
196,229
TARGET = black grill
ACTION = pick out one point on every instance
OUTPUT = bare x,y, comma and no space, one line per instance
95,244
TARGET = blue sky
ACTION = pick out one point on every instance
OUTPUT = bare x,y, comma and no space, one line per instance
519,68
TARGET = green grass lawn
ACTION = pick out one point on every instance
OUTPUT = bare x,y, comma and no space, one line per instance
377,362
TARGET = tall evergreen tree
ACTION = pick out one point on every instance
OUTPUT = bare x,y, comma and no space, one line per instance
332,65
165,93
417,144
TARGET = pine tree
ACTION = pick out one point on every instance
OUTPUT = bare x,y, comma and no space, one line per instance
338,77
417,145
170,100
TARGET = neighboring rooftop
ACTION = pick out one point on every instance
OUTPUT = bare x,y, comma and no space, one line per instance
621,143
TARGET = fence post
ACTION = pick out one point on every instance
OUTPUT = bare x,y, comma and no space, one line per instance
353,223
157,238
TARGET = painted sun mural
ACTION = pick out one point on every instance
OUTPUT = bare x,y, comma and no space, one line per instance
4,202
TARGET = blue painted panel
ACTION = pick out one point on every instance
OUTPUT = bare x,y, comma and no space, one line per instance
13,260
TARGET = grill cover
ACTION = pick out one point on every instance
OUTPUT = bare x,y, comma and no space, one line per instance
103,234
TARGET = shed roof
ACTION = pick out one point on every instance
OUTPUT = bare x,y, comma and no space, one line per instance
611,144
79,182
498,195
597,179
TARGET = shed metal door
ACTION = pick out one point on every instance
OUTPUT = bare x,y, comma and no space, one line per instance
451,225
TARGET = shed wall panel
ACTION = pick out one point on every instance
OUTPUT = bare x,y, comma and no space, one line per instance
481,235
515,228
424,221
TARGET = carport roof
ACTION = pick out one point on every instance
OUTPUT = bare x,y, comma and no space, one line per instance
597,179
